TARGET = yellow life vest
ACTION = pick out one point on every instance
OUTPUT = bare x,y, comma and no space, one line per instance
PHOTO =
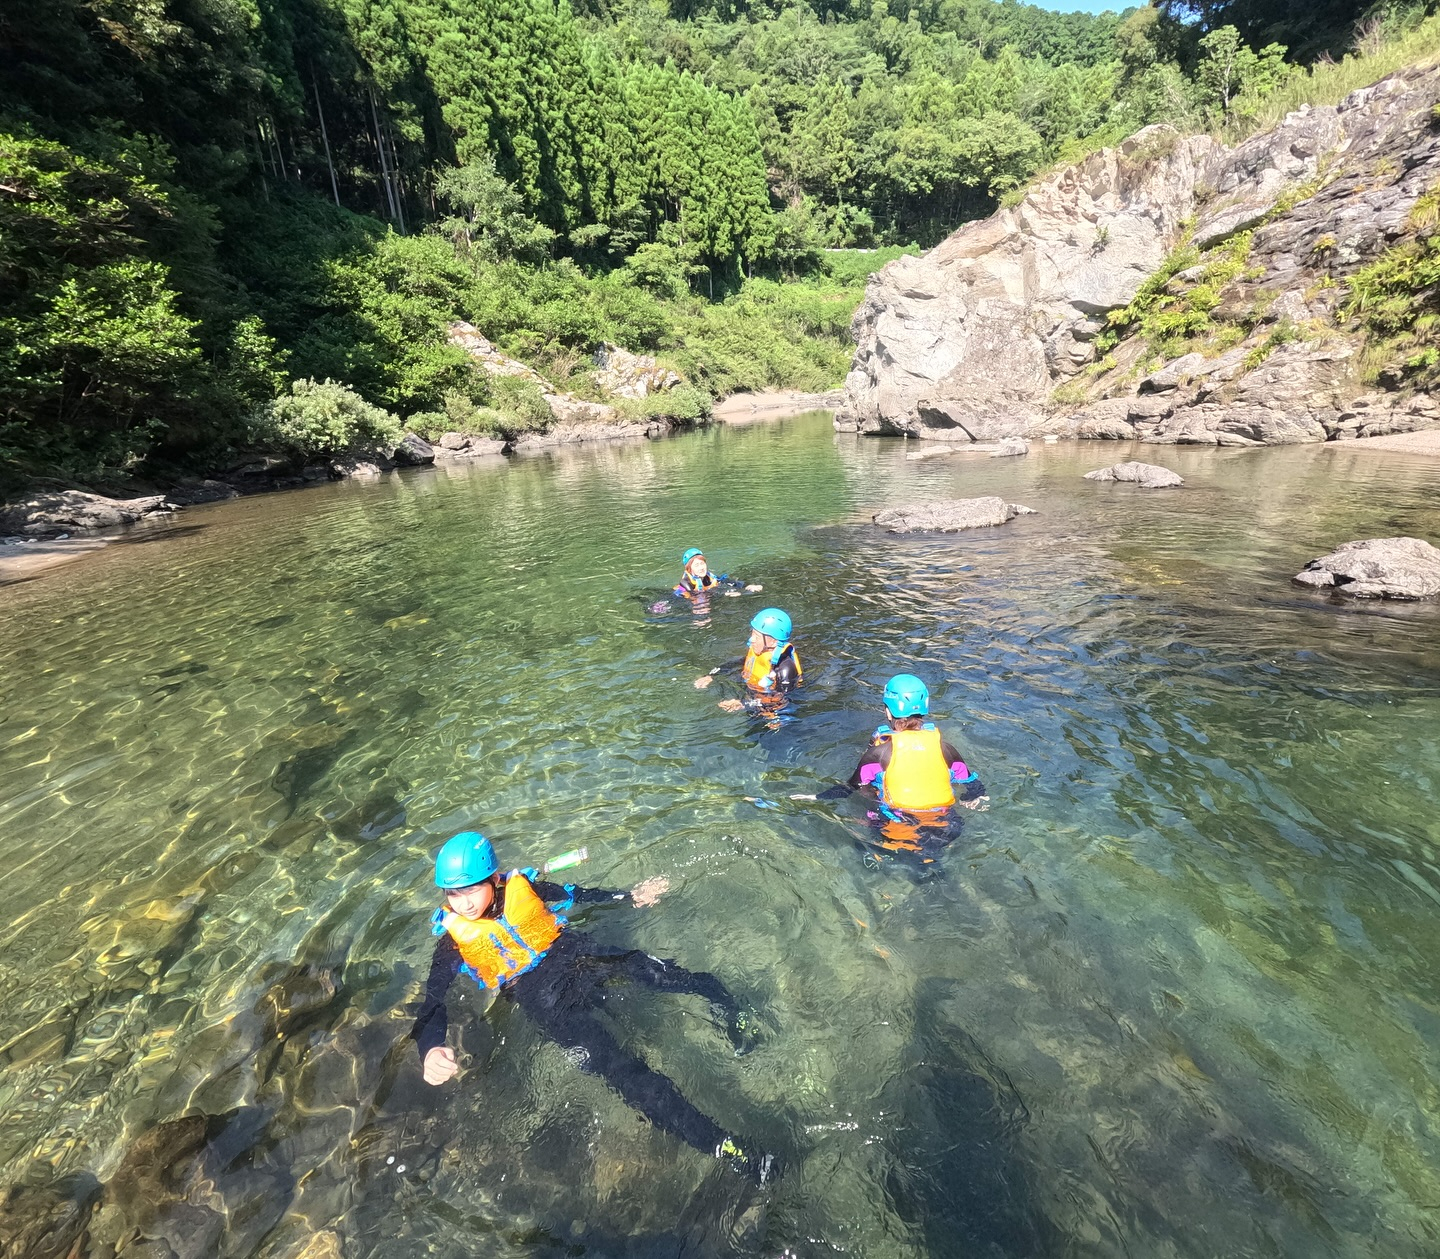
499,949
693,585
759,667
917,777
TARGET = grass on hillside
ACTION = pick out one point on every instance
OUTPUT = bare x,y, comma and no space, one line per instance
1328,83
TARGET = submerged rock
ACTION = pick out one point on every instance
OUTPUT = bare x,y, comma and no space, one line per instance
950,515
44,1222
1149,475
1377,568
44,515
189,493
1011,446
413,452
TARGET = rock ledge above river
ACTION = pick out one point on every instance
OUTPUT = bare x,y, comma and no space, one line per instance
950,515
1377,568
1150,476
65,511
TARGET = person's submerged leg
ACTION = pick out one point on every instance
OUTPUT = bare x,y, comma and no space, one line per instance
668,976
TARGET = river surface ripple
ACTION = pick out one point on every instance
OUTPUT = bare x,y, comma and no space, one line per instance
1174,994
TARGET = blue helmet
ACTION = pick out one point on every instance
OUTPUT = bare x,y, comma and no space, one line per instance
773,622
906,696
690,555
466,858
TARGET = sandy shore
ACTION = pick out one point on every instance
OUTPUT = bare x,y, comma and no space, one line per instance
740,408
25,560
1425,442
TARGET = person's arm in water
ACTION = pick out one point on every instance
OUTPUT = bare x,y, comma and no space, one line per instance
642,894
730,666
437,1060
969,790
787,672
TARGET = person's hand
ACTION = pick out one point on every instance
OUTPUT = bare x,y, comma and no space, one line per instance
702,683
981,804
440,1065
754,589
732,705
649,891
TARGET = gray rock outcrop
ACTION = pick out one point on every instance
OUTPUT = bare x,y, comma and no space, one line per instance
1377,568
625,375
1149,475
413,452
457,447
950,515
69,511
992,333
1011,446
190,493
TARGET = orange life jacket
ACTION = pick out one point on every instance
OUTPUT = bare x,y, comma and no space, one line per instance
692,585
759,667
498,949
917,777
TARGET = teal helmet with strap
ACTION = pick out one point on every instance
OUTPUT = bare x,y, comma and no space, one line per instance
690,555
774,623
465,859
907,696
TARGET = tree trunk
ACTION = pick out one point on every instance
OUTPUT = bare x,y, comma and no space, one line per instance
325,136
380,145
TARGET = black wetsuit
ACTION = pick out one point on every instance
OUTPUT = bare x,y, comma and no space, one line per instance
562,996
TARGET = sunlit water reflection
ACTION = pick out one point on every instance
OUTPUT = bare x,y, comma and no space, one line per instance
1174,994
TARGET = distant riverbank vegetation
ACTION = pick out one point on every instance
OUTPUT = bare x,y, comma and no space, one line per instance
202,201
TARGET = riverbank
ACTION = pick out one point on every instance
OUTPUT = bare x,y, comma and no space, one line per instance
1424,442
24,559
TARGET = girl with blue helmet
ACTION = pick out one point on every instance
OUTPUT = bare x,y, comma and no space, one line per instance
697,581
509,933
908,764
771,666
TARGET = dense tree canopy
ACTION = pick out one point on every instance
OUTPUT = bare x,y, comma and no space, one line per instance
202,198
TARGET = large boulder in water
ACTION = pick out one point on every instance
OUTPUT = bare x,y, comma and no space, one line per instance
1377,568
44,515
413,452
1011,446
950,515
1149,475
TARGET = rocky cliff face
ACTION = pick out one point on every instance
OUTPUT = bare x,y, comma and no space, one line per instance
1172,289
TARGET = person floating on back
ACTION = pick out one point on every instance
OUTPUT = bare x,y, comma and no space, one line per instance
771,668
509,934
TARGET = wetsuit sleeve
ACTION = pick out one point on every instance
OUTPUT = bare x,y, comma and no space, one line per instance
432,1022
553,893
787,675
967,781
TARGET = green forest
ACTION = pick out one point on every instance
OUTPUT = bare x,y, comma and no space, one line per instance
203,201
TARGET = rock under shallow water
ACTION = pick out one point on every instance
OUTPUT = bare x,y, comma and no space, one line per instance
1150,475
950,515
1377,568
45,515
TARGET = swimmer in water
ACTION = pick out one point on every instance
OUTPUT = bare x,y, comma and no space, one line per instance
508,933
771,668
917,776
697,580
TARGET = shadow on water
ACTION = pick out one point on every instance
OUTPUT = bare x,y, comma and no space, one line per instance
958,1171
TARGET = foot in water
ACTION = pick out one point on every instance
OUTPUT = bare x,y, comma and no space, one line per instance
755,1165
742,1028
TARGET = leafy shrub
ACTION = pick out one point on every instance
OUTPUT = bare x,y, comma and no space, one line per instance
521,404
322,417
428,424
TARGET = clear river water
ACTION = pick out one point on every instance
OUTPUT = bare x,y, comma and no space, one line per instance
1176,993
